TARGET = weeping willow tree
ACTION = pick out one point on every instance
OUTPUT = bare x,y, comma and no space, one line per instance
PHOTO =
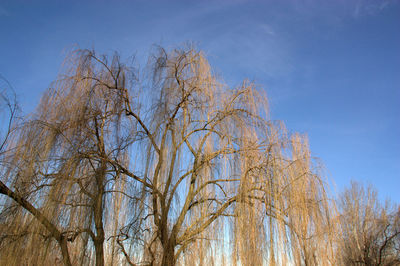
171,167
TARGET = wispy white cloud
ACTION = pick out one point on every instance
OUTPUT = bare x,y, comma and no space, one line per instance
370,7
268,29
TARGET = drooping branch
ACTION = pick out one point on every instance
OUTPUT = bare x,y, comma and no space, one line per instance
53,230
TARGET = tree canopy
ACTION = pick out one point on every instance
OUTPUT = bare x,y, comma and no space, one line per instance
163,165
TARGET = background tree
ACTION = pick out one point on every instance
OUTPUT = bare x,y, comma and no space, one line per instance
370,231
168,167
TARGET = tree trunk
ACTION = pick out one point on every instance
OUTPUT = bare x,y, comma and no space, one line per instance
98,215
169,254
99,239
64,251
98,246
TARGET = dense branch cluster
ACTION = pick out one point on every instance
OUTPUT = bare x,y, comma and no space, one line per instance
169,167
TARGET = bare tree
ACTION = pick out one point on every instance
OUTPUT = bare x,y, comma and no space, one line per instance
164,168
370,231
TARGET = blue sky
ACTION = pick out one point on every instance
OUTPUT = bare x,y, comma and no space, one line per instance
331,69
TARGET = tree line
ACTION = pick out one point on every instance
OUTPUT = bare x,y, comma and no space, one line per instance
167,165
